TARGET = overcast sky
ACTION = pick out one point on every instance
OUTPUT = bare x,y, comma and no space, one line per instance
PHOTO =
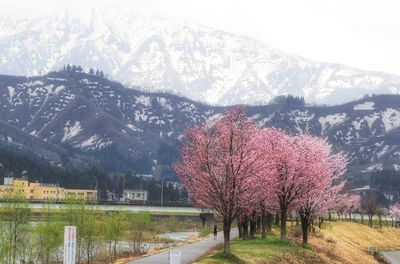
360,33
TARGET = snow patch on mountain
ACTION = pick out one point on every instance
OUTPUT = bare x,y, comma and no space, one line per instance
331,120
374,167
391,119
11,93
134,128
365,106
71,131
94,142
370,119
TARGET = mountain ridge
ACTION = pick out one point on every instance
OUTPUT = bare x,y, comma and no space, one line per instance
198,62
104,124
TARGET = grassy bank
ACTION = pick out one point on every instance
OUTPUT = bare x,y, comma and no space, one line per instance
271,250
336,242
346,242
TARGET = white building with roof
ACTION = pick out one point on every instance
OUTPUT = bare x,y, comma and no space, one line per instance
134,195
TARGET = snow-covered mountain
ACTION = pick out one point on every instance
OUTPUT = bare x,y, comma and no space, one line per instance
78,115
197,62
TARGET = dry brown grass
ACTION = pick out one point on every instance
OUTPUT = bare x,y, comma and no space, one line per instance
345,242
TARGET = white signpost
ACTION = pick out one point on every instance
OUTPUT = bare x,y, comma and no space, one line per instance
174,257
69,244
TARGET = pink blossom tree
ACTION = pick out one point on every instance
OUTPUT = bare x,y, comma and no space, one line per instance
287,161
342,206
219,162
323,168
394,211
353,205
266,199
280,173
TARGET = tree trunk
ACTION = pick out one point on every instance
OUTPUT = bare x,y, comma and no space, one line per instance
253,227
269,222
370,220
283,223
304,229
227,235
240,229
277,219
110,257
245,227
115,250
258,225
263,225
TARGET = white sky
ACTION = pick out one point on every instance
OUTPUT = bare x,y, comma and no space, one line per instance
360,33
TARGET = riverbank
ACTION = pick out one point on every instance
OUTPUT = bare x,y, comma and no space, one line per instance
336,243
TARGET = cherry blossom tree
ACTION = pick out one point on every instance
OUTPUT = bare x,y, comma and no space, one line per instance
343,206
289,164
281,172
265,199
353,205
394,211
324,168
220,159
231,166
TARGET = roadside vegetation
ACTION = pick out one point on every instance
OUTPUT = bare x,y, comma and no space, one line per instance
102,237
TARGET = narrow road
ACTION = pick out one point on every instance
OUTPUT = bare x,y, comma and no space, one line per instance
189,252
392,256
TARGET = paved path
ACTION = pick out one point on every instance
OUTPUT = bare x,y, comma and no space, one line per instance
190,252
392,256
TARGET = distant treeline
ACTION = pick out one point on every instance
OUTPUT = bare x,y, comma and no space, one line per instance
288,100
15,163
78,68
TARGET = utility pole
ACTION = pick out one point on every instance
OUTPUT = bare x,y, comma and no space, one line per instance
97,191
162,191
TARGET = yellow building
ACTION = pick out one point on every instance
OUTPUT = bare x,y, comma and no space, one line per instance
88,195
41,191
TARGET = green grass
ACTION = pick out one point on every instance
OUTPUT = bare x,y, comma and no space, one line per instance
271,250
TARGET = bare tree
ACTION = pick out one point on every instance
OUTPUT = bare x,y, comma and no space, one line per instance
370,204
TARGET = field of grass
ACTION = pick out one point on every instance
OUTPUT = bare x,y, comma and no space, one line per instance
337,242
271,250
346,242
